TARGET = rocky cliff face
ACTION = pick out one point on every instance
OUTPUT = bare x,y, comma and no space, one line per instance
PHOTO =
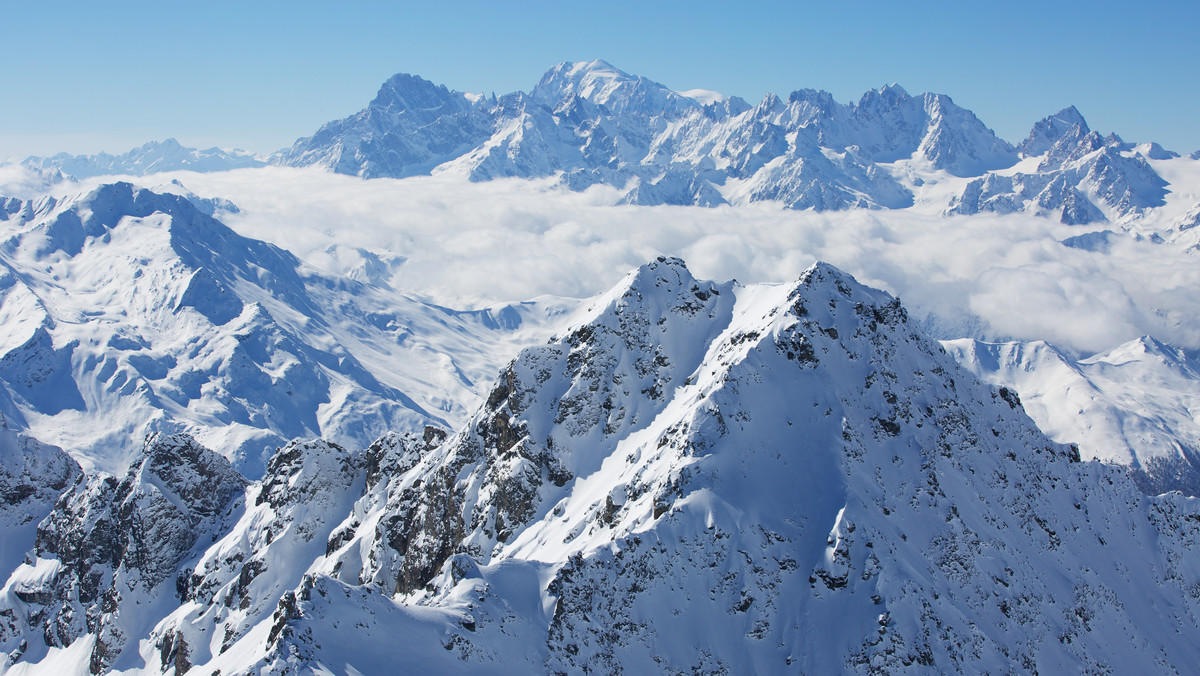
111,544
32,477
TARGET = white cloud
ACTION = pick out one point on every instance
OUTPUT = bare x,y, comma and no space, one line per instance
473,244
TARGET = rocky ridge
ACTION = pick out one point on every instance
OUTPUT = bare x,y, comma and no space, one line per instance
691,476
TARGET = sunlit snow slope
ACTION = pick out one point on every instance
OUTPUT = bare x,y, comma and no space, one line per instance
127,311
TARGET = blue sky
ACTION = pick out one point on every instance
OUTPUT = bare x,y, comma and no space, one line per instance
90,76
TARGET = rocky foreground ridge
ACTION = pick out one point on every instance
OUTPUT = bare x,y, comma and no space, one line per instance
692,476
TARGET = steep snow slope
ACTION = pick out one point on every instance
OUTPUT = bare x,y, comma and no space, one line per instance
129,311
692,476
1134,406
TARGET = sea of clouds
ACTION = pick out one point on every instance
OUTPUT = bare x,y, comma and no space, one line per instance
468,245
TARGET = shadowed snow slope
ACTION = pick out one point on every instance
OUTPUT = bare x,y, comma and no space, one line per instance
128,311
693,476
1135,405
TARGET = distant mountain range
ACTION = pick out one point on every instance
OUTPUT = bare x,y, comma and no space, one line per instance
151,158
590,123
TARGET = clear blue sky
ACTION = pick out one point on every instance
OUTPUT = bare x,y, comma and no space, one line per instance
89,76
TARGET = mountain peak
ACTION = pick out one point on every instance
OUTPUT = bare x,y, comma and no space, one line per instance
405,92
1047,131
664,269
885,97
601,83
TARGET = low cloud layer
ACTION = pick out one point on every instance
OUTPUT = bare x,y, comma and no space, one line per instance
472,244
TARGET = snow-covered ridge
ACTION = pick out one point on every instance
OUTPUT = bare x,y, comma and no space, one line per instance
691,476
129,312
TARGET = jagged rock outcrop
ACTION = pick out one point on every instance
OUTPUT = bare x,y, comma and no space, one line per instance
32,477
111,544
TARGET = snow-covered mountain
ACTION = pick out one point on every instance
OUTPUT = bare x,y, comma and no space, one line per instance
590,123
1080,176
128,311
152,158
692,476
1135,406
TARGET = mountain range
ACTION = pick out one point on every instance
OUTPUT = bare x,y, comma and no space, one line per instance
152,158
589,123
